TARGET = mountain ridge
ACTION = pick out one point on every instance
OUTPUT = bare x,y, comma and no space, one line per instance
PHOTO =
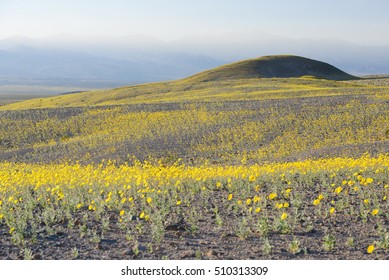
25,64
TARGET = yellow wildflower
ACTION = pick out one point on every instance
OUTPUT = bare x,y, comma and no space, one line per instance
370,249
338,190
279,205
272,196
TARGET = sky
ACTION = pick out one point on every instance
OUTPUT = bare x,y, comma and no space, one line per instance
357,21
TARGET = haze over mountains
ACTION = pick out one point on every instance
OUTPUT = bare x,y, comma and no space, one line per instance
94,62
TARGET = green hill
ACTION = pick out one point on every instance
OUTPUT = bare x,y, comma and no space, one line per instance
269,77
280,66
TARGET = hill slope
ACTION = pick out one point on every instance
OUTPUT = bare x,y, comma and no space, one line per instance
245,80
280,66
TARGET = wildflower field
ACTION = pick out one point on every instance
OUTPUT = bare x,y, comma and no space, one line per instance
250,169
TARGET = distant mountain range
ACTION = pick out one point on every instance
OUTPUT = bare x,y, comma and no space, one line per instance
26,65
109,62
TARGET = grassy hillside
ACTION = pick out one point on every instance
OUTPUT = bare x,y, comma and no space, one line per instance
246,80
273,168
258,119
223,120
188,91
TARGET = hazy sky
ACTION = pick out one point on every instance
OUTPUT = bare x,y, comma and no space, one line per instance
364,22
